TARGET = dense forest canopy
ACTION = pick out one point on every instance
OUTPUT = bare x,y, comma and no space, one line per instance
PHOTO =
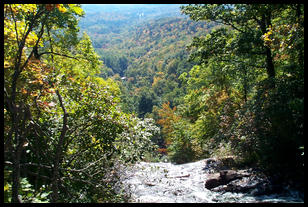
89,88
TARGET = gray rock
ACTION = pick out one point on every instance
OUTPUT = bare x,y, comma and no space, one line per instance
248,183
224,177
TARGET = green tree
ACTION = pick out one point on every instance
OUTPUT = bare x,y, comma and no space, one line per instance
253,53
26,28
249,21
62,122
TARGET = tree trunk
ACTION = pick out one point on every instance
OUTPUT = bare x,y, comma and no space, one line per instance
20,131
269,63
264,24
58,155
19,112
16,176
245,84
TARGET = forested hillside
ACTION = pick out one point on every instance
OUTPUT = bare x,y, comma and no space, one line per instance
89,89
147,54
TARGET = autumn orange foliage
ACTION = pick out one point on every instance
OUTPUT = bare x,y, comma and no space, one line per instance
162,151
168,117
50,7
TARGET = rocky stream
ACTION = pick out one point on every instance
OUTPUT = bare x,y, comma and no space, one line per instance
202,182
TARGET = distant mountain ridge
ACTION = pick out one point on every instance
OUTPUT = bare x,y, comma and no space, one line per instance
89,8
131,13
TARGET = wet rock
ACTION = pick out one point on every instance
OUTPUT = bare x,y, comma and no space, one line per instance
246,183
149,184
223,178
229,175
213,181
236,186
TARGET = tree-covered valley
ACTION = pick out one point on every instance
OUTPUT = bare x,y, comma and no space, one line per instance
90,89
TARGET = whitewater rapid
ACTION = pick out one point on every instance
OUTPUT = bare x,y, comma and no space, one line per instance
184,183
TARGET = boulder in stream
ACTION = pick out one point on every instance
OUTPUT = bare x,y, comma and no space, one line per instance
253,185
223,178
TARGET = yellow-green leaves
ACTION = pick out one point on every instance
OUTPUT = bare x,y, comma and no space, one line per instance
21,8
267,36
76,9
6,187
61,8
15,23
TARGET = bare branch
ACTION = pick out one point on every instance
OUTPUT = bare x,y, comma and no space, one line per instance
54,53
91,164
